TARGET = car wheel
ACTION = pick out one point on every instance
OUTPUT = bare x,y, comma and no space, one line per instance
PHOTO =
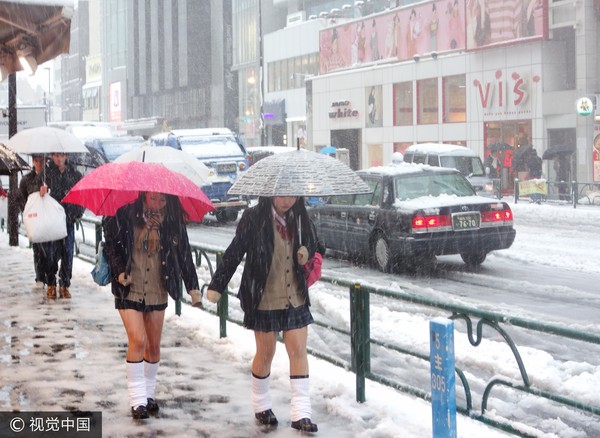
473,259
232,215
382,255
222,216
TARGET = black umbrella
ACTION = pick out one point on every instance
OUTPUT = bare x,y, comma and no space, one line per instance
10,161
499,147
95,158
522,151
556,150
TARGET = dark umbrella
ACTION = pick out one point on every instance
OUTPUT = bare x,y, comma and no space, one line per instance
499,147
557,150
93,159
10,161
522,151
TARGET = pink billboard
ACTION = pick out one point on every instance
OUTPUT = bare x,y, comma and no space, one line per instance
398,35
492,22
431,27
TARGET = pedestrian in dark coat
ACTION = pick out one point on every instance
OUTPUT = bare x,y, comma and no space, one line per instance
534,164
60,178
283,258
29,184
148,251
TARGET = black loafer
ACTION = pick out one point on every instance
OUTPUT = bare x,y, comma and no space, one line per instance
266,417
152,406
139,413
305,425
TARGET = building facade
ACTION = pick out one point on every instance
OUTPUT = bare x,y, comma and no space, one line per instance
176,68
394,79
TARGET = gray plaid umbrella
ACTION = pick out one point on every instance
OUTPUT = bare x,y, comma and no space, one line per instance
299,173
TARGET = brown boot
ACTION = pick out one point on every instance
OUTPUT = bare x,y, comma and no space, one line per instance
64,292
51,292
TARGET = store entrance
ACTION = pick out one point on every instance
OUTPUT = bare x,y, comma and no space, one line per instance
348,139
505,142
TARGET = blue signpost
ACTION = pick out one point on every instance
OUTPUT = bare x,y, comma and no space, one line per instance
443,383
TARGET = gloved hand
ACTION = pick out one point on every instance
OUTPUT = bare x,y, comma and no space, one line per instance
213,296
302,255
196,298
124,279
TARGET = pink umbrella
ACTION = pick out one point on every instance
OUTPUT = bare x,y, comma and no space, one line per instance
107,188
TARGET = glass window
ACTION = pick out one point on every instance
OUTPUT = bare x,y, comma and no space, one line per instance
427,101
271,73
283,83
369,198
403,104
341,200
375,155
455,99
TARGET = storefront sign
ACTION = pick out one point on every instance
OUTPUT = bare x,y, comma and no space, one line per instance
342,109
533,187
584,106
505,96
114,100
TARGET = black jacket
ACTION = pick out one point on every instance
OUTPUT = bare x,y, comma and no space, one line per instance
60,184
175,251
29,184
254,239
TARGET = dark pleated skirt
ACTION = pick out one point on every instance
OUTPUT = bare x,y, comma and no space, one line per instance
279,320
136,305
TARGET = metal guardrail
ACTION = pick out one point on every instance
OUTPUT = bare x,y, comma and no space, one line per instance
361,341
571,192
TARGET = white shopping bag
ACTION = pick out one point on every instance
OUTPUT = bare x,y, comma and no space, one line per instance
44,219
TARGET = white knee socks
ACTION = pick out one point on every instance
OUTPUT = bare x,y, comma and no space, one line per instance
261,397
150,370
300,398
136,384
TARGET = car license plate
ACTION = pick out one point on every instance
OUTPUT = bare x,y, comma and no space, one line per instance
226,168
465,221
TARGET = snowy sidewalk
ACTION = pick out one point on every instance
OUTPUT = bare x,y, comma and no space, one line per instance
58,355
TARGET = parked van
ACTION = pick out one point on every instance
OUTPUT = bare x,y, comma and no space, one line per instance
223,153
453,156
112,147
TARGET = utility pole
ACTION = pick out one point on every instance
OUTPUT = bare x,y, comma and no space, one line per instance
13,188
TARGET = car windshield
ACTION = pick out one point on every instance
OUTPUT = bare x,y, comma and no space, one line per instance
468,166
206,147
113,149
415,186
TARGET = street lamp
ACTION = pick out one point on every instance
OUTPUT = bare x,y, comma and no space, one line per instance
47,100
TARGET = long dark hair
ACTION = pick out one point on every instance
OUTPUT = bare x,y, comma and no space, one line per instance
292,217
175,214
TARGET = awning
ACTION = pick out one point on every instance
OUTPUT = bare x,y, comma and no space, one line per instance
33,32
90,90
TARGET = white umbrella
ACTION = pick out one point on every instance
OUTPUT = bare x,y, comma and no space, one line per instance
45,140
299,173
174,159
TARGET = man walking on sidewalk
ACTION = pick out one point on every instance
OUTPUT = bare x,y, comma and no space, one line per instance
61,177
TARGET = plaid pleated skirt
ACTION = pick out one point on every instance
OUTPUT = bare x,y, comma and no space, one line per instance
278,320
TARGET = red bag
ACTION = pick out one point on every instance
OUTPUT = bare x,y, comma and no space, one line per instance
312,269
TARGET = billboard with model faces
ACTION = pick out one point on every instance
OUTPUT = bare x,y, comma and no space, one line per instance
422,29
